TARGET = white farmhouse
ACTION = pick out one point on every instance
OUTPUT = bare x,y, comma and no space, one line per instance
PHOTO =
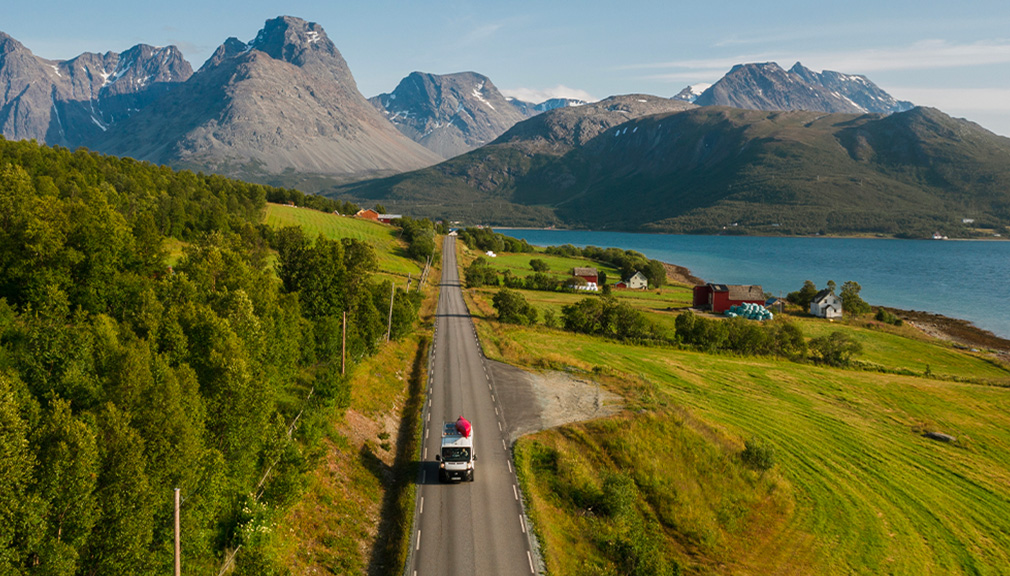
826,305
637,282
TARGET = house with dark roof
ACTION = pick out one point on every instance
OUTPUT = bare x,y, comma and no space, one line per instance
636,282
721,297
826,305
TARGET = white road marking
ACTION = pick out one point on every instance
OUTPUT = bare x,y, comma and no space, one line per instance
509,462
496,411
515,492
422,510
424,479
425,452
418,547
499,427
503,444
426,433
522,521
428,419
492,397
530,558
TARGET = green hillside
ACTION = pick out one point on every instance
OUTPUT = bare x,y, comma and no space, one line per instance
713,170
383,239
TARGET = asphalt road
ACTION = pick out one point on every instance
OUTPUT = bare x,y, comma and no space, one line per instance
468,528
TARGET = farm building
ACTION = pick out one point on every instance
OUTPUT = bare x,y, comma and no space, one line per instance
721,297
388,218
367,214
588,274
636,282
826,305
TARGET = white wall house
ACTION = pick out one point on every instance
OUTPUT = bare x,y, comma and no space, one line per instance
826,305
637,282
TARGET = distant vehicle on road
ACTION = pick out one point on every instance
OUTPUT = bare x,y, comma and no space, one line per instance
456,456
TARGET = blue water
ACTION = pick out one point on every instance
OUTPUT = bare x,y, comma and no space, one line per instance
960,279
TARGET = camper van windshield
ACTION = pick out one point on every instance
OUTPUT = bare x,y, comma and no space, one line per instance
456,454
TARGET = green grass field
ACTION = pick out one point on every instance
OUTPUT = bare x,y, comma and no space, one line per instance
856,488
389,250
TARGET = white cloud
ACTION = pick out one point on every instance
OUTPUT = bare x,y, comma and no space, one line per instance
538,95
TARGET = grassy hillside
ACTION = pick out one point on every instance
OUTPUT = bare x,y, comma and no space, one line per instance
381,237
855,487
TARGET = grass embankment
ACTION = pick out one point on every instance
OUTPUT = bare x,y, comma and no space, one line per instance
355,514
391,253
855,489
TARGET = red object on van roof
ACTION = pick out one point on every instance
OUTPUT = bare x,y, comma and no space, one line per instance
463,426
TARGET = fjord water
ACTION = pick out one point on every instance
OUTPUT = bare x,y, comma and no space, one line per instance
960,279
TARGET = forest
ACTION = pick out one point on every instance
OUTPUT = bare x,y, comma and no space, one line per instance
125,373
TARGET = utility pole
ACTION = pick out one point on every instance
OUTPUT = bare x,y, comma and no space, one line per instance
343,345
389,322
178,548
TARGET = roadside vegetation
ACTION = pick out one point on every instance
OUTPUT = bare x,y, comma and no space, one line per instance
740,463
154,334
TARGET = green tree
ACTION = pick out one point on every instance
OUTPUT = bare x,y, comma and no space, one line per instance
120,541
539,265
852,302
835,349
20,508
804,296
787,340
480,273
656,273
513,308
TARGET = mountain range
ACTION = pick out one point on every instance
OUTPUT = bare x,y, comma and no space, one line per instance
762,150
74,102
767,86
718,169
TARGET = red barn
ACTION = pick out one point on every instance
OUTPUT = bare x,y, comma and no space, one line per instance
589,274
721,297
368,214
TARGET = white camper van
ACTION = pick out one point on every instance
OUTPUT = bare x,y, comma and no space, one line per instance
456,456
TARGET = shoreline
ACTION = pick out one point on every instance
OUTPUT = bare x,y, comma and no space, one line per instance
827,236
960,332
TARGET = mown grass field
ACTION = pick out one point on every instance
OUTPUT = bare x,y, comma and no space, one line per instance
659,303
390,252
856,488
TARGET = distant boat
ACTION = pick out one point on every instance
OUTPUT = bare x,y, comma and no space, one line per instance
938,236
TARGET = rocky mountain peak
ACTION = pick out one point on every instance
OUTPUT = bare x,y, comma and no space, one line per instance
292,40
448,113
767,86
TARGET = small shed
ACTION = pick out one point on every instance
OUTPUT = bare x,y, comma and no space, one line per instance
826,305
590,275
388,218
775,303
721,297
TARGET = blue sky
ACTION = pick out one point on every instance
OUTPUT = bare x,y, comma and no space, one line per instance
951,55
